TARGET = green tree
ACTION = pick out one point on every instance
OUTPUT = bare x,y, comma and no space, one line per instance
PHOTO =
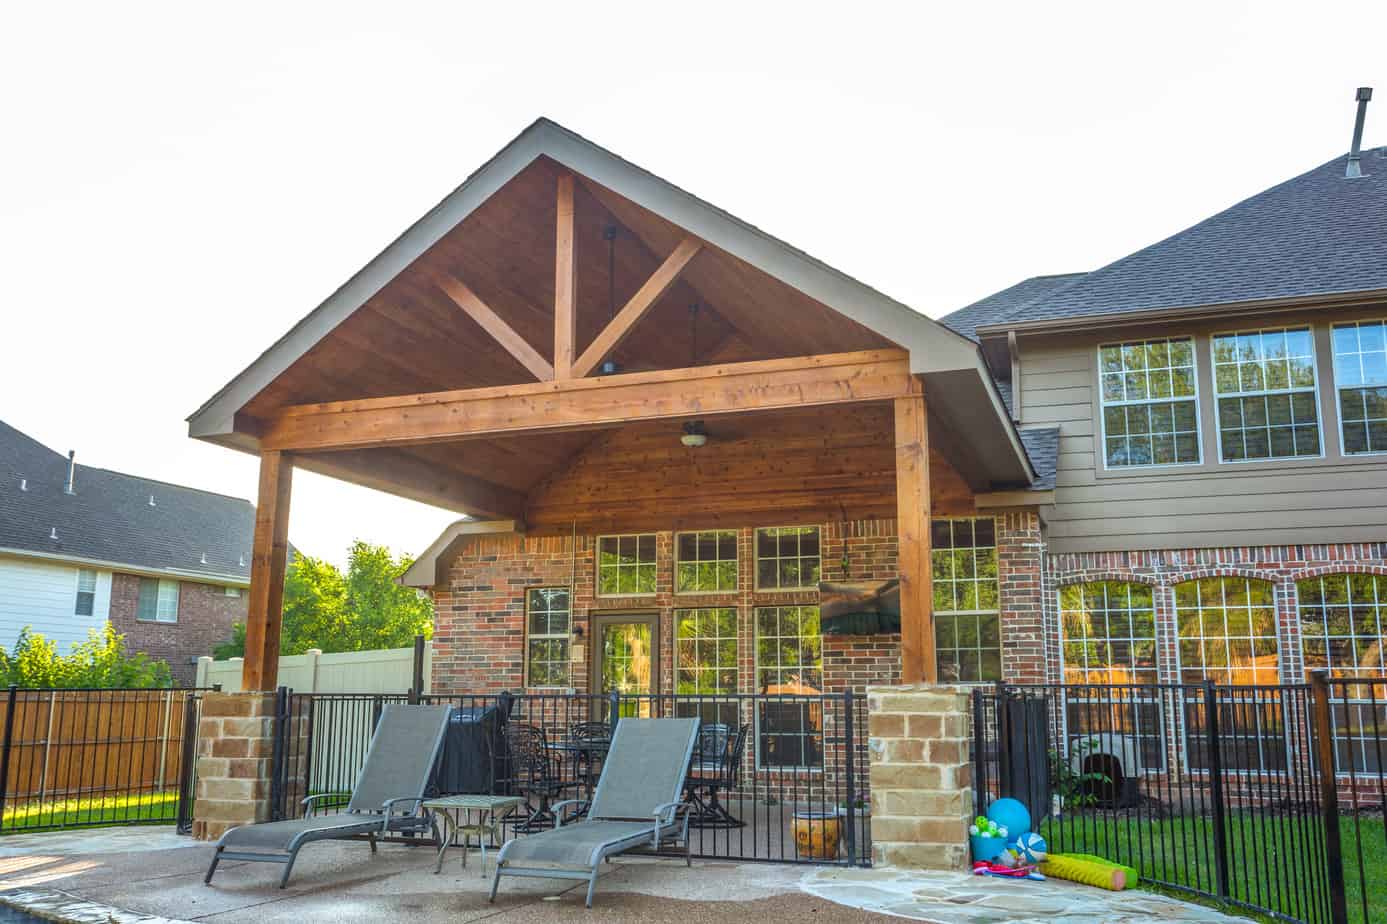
100,661
363,610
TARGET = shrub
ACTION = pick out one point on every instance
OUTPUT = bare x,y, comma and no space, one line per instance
100,661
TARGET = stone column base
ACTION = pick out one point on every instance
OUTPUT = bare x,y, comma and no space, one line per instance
235,755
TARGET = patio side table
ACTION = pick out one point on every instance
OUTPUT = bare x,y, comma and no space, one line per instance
457,812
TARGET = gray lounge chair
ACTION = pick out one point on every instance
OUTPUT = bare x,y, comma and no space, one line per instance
637,804
387,798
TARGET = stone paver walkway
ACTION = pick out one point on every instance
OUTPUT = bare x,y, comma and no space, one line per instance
959,898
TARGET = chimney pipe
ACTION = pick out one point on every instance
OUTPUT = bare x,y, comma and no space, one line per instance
71,471
1355,152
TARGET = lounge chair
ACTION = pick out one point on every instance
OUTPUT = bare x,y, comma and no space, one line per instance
387,798
636,805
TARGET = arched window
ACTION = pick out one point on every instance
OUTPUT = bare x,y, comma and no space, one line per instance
1227,628
1109,633
1343,624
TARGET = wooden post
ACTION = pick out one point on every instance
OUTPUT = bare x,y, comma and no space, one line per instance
565,284
260,670
913,538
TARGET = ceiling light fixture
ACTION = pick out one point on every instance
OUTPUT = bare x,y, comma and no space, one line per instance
694,434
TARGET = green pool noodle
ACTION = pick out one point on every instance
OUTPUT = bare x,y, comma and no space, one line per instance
1081,869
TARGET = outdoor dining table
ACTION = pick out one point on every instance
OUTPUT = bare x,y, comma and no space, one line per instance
489,811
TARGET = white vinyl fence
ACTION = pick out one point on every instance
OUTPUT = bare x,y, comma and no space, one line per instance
386,671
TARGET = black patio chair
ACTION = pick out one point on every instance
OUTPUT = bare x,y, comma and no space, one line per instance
715,767
534,774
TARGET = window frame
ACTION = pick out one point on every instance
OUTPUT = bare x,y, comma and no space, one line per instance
1102,404
91,594
653,563
736,561
160,599
565,637
735,637
1313,389
764,699
977,614
1338,388
756,559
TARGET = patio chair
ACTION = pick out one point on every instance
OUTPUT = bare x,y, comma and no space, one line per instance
715,768
534,774
387,797
636,805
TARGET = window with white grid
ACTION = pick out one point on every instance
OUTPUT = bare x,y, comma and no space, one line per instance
548,622
705,650
157,601
705,562
1265,384
1150,402
789,669
86,592
626,565
967,627
1360,375
787,558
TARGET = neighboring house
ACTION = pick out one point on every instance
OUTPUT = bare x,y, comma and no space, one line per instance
668,428
166,565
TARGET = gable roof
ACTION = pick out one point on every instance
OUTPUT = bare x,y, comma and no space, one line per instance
934,349
1007,303
108,519
1317,234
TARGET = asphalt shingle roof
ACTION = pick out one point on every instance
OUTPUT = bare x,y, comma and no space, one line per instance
109,518
1319,233
1043,448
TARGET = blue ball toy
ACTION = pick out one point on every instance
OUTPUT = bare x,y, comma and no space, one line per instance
1032,847
1012,815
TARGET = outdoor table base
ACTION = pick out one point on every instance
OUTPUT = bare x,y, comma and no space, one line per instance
489,811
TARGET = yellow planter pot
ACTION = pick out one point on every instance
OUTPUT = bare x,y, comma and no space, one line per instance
816,835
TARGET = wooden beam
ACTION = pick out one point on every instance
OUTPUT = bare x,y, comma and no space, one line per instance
629,316
565,283
397,472
913,538
592,403
495,325
268,559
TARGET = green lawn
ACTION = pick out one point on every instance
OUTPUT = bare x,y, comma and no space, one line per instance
96,810
1265,855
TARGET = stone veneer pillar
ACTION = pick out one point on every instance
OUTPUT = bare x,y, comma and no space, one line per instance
235,754
921,775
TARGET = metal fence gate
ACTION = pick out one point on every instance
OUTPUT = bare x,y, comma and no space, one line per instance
797,794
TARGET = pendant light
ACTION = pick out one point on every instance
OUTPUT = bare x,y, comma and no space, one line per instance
694,435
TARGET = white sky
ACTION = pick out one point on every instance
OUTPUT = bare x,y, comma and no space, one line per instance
179,183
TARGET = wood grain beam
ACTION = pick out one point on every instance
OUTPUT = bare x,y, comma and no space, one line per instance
565,283
496,326
397,472
913,538
649,293
592,403
269,554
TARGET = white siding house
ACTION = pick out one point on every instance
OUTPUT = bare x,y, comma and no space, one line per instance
44,596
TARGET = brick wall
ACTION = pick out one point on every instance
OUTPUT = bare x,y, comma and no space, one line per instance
205,617
1282,565
1020,575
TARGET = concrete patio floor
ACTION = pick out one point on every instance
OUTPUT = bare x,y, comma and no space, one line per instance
156,875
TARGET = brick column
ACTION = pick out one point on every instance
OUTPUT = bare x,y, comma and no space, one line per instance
1020,566
921,776
235,747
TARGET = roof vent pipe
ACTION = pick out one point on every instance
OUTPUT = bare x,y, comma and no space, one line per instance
24,484
71,471
151,501
204,558
53,534
1355,152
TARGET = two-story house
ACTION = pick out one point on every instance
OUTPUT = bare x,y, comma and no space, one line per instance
166,565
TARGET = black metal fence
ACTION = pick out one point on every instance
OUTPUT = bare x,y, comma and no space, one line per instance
797,791
87,757
1215,791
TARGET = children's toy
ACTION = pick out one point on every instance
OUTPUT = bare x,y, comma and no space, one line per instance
1089,871
1010,815
1031,847
1132,877
988,839
1006,866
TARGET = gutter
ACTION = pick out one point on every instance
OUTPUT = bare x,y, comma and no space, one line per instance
200,577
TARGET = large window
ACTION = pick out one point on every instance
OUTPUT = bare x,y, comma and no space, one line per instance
1227,634
787,558
1343,625
706,562
158,601
86,592
967,627
547,626
705,663
626,565
1360,375
789,669
1150,413
1108,636
1265,382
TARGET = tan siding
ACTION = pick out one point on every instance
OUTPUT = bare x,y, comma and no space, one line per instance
1212,505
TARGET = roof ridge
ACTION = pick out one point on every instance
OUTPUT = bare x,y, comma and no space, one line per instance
167,484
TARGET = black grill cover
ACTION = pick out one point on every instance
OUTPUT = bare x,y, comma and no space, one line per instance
473,755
